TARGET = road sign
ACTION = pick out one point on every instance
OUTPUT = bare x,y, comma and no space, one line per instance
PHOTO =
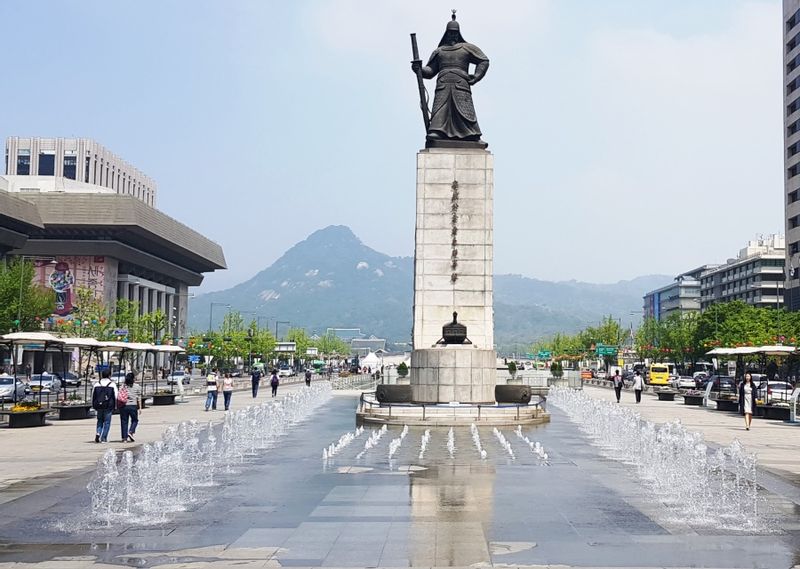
543,354
606,350
194,358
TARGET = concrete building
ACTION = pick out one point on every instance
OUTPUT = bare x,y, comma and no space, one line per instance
86,219
679,297
755,276
363,346
76,165
791,137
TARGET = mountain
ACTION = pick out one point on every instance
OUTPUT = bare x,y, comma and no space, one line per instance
332,279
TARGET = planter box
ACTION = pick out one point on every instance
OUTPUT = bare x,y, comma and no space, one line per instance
773,412
26,418
164,399
666,395
72,412
728,405
693,400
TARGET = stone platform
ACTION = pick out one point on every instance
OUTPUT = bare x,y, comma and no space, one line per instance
432,415
453,373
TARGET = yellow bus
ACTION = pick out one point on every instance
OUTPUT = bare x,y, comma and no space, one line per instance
659,374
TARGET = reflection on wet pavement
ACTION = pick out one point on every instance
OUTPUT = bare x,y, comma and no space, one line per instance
288,508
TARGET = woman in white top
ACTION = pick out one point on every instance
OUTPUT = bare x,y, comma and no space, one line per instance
638,386
747,392
211,390
227,390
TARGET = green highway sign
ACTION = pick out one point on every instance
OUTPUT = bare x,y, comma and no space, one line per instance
543,354
606,350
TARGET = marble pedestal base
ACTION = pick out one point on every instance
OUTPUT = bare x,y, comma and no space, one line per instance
444,374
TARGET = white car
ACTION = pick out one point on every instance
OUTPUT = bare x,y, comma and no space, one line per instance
7,388
684,382
178,376
284,371
778,390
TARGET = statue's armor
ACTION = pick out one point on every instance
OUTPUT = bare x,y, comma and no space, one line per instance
453,114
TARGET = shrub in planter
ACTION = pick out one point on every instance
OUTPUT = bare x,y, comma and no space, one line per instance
402,369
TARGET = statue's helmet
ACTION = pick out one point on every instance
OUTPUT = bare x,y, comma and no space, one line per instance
452,28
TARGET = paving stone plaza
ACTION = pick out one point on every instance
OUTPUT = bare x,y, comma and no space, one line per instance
287,506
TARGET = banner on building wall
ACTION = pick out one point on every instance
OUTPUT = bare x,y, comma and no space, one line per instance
70,273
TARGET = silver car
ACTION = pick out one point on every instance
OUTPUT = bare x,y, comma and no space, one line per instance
7,388
44,383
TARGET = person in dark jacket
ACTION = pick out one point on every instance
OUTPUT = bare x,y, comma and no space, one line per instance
274,382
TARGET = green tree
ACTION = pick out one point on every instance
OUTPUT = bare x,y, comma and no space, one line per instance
330,344
23,304
648,339
678,340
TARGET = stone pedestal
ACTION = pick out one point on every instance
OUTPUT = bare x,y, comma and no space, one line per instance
453,273
453,373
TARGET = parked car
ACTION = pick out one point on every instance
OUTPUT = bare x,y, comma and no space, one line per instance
284,371
178,376
7,388
721,383
777,390
601,374
683,382
44,383
71,379
118,377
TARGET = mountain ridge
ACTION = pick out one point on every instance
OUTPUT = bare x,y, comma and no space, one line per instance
333,279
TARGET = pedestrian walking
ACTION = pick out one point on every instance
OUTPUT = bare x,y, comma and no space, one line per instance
308,377
129,400
104,399
255,379
638,386
227,390
211,390
747,392
618,384
274,382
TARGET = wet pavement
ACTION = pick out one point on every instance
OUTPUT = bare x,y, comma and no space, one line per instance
290,508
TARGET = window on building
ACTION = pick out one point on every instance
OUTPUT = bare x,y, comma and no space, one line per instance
792,43
792,107
792,171
793,21
794,248
23,162
106,184
47,164
86,173
71,167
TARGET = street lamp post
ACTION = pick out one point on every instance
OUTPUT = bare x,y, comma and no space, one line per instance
211,312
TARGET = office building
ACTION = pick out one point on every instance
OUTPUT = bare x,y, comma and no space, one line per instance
791,137
755,276
682,296
73,165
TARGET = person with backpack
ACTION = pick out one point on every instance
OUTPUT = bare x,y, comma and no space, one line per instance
211,390
274,382
255,379
227,390
129,399
308,377
104,400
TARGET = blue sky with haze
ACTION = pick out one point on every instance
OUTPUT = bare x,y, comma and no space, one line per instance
630,137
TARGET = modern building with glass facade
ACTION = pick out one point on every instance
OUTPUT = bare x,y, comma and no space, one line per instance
679,297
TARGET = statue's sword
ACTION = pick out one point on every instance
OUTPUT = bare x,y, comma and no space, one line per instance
423,104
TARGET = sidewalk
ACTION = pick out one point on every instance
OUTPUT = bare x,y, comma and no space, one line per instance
33,458
776,443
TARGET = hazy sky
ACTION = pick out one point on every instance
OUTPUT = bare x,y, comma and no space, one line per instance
630,137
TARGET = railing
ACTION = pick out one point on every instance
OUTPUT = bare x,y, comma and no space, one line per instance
368,401
356,382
